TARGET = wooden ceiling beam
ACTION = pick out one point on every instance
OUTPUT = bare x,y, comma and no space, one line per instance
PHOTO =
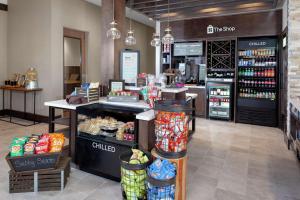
211,4
193,12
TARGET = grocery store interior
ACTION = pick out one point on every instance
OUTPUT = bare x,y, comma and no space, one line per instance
150,99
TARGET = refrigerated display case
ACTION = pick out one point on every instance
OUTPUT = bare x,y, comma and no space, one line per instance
98,142
220,100
257,84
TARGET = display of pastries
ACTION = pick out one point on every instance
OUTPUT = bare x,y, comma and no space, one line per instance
100,126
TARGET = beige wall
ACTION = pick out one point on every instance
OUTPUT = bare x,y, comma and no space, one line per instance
3,49
143,36
78,15
35,29
29,34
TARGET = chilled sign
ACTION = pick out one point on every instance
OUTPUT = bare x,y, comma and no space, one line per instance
259,43
214,29
103,147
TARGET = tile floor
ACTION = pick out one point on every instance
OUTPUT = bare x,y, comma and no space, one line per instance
227,161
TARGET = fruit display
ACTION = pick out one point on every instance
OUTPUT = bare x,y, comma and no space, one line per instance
37,144
171,130
161,170
133,181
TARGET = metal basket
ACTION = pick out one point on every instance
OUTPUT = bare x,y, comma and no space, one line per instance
133,178
92,94
160,189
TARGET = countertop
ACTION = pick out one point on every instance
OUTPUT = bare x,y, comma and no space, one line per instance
64,105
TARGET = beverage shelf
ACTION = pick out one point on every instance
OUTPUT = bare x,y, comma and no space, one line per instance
257,77
219,96
253,66
258,56
257,87
255,98
223,107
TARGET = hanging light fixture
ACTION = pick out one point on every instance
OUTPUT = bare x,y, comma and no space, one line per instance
168,37
155,42
130,39
113,32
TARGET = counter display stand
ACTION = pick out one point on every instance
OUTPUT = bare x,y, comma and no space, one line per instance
99,154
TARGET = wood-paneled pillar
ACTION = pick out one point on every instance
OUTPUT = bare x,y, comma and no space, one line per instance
120,16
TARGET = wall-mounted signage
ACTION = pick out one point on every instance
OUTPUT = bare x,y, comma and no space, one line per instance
215,29
257,43
188,49
130,64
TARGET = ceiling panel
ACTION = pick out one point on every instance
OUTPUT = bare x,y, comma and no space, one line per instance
183,9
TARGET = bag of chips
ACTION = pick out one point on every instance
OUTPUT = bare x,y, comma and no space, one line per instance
16,149
43,144
29,148
57,141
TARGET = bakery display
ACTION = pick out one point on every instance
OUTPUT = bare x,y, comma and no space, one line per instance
108,126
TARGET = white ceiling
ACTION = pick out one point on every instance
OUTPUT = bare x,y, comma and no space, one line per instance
3,1
96,2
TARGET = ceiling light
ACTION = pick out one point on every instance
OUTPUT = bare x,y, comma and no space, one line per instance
168,38
130,39
113,32
155,42
205,10
249,5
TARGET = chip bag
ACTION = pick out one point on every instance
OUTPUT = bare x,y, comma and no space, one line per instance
57,141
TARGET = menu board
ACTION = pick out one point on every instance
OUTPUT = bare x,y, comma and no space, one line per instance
188,49
129,66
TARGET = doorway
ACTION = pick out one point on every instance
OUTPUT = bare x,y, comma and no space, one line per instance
74,60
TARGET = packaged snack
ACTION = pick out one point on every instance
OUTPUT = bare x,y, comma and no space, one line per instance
43,144
57,141
16,149
29,148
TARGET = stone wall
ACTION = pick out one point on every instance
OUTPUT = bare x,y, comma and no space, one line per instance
294,48
293,52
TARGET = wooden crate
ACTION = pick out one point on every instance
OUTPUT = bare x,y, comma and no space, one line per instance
40,180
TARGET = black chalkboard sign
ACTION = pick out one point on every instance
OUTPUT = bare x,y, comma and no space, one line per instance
33,162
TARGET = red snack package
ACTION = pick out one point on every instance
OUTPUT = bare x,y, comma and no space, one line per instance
43,144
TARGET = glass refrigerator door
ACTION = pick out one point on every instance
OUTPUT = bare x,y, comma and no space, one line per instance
219,101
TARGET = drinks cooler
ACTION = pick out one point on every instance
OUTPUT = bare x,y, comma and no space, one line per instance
257,82
220,98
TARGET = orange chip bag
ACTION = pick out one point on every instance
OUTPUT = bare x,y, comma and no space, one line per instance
57,141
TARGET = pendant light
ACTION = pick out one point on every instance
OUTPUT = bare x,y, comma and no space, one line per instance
130,39
113,32
155,42
168,38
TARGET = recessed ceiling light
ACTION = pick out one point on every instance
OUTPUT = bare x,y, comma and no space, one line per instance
249,5
215,9
172,14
